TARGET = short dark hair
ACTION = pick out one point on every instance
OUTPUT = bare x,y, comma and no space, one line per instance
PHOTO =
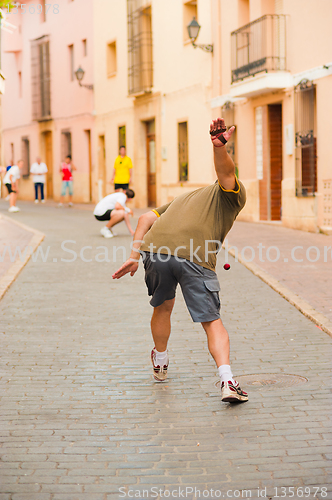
123,146
68,156
130,193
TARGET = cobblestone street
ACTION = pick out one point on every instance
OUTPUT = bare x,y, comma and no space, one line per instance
81,417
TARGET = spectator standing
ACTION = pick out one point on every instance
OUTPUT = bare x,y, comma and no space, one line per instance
122,171
66,169
11,181
39,169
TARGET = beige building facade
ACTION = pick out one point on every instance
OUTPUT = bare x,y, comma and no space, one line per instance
45,112
276,77
150,80
269,74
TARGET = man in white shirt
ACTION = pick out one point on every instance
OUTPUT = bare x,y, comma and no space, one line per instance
11,181
39,169
113,209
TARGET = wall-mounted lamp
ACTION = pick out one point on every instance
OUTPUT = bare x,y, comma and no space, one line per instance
193,30
79,75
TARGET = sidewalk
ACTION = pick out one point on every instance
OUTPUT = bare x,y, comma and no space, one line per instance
14,240
81,416
304,265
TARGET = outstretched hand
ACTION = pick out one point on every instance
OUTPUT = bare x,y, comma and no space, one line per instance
218,127
128,267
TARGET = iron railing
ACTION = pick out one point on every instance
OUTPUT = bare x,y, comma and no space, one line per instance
259,46
140,67
305,141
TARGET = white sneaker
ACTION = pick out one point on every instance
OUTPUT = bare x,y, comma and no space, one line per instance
36,201
13,209
107,233
70,204
7,197
43,201
60,204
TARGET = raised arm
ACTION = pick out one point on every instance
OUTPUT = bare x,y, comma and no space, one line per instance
131,265
224,165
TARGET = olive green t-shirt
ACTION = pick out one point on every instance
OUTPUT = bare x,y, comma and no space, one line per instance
194,225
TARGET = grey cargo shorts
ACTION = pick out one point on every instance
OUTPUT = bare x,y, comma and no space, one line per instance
200,286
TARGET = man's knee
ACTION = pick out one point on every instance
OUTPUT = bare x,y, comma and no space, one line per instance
117,213
166,306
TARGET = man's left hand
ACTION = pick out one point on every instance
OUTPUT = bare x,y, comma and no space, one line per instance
216,127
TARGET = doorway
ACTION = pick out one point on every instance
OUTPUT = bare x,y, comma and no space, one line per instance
88,137
270,182
102,167
151,162
275,131
49,163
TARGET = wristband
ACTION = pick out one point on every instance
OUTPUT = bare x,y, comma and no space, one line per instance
218,134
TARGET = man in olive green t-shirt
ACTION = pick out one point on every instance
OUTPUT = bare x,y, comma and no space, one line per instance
179,242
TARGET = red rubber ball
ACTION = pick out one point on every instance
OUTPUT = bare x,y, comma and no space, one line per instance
227,267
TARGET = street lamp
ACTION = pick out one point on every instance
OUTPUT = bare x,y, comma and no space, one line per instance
79,75
193,30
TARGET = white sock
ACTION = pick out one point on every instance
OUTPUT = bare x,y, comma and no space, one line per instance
225,373
161,358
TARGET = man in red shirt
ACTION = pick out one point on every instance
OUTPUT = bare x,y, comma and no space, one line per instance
66,169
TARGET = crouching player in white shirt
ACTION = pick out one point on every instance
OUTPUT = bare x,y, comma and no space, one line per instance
113,209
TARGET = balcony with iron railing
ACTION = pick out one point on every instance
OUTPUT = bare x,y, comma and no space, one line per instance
259,48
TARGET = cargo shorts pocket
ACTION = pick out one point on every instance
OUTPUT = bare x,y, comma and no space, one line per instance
213,286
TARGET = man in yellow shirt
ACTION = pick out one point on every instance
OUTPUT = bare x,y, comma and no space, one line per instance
122,170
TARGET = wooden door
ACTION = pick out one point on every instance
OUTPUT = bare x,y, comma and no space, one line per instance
275,132
151,163
49,163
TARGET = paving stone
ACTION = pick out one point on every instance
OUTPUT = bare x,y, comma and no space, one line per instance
81,416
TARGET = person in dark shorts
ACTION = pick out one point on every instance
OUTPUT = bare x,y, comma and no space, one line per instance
122,170
180,244
113,209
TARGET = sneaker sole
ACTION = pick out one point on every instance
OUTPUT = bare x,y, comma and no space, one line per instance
230,397
159,379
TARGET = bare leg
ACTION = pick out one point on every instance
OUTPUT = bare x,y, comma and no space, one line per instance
161,324
127,221
218,341
116,217
12,199
70,198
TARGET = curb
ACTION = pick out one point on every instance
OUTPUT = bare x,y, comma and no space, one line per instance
304,307
17,267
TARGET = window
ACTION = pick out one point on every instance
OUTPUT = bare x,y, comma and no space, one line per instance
65,144
71,62
43,12
140,71
189,12
305,140
12,153
111,59
85,48
41,78
183,150
25,157
122,136
19,84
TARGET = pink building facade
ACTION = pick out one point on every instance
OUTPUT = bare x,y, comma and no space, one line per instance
45,112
